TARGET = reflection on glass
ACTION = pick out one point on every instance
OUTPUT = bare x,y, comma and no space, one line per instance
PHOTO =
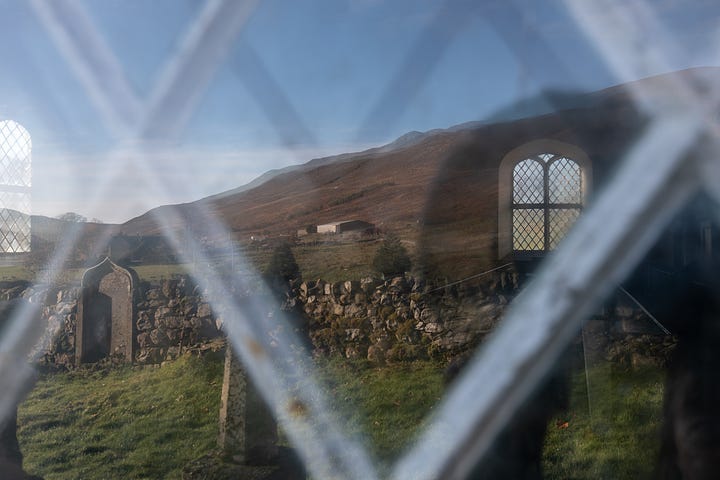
15,182
547,199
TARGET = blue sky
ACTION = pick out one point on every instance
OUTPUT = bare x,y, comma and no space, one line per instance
301,79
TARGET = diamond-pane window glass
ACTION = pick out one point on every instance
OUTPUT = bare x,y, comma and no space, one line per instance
559,222
529,229
528,183
15,184
564,181
547,197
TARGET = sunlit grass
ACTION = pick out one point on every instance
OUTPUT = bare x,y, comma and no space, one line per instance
385,405
159,272
149,422
613,436
124,423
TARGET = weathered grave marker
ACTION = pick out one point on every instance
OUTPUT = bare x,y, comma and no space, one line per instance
106,313
248,431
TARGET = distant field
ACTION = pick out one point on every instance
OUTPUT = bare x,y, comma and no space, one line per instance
334,260
73,275
15,272
158,272
337,262
329,257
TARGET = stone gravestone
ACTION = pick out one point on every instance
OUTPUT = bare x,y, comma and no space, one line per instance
248,431
106,314
248,437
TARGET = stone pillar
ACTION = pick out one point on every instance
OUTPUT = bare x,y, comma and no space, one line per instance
248,431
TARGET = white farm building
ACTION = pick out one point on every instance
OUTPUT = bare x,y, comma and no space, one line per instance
344,226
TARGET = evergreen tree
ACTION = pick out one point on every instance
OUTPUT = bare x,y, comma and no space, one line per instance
392,257
282,265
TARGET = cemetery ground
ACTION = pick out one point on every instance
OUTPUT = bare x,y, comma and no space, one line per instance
149,422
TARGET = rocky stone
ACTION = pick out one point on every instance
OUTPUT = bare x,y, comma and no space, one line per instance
159,337
169,288
343,317
161,313
354,311
153,294
353,333
144,340
350,287
376,354
173,321
428,315
144,322
150,355
368,284
204,310
433,327
398,285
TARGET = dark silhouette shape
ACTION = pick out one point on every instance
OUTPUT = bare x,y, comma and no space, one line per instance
282,266
10,456
516,453
690,447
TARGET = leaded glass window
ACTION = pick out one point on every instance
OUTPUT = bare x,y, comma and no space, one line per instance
547,193
15,184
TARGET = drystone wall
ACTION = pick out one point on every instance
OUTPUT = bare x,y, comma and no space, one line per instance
402,318
397,319
171,315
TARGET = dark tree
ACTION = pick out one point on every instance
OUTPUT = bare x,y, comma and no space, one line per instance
282,264
392,257
72,217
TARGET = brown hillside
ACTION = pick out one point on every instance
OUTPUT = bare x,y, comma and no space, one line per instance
441,185
388,189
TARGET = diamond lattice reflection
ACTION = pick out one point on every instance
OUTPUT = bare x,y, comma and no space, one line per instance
15,183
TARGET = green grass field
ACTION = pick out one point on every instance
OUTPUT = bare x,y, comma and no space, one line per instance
142,422
73,275
148,422
612,435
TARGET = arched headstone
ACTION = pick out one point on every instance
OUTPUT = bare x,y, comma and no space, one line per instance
106,313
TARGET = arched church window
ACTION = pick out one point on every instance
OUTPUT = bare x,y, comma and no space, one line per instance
546,201
15,185
543,187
